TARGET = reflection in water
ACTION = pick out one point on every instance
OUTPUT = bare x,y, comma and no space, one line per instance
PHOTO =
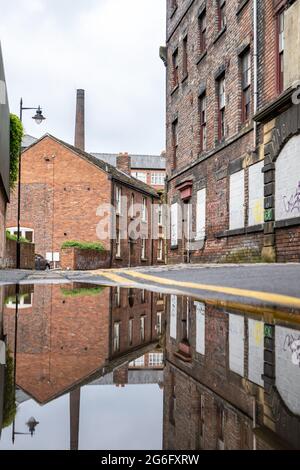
230,380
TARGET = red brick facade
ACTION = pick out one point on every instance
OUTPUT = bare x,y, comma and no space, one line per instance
62,192
213,144
208,402
2,227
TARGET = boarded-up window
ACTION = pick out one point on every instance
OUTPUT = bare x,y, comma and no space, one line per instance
237,200
287,198
256,194
201,214
236,344
200,328
256,352
173,316
174,224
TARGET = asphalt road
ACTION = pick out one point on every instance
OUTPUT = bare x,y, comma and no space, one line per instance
259,284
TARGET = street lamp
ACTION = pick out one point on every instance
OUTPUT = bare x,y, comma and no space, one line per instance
38,118
31,424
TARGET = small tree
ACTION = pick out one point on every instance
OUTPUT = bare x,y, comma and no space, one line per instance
16,135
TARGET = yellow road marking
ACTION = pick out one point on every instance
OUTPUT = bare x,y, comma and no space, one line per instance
116,278
257,295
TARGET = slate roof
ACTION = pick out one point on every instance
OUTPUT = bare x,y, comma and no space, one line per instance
145,162
111,170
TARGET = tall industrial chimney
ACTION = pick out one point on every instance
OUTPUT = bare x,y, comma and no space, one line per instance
80,121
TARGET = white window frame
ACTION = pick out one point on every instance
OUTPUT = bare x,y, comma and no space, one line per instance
143,244
118,244
23,230
174,224
118,200
156,359
140,175
144,210
116,339
142,328
159,323
157,179
160,249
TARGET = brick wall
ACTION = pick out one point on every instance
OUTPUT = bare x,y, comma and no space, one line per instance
27,255
83,260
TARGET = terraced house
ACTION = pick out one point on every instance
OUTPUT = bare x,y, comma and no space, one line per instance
233,130
4,157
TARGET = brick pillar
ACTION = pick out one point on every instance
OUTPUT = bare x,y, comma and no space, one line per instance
269,248
269,375
124,163
121,376
80,121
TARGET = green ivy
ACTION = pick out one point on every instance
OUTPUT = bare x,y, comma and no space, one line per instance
10,407
9,236
16,135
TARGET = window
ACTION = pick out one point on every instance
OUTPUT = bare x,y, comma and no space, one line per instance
142,328
256,194
201,214
221,14
175,68
118,200
246,85
185,57
160,249
174,225
158,179
160,214
236,200
140,175
118,244
130,332
143,255
175,141
143,296
280,28
140,362
159,323
132,207
116,342
202,32
222,106
117,295
27,233
202,111
144,210
156,359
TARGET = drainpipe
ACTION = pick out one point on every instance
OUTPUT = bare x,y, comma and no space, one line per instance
254,422
255,67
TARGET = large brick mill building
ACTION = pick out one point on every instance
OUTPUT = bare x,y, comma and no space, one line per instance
233,130
4,158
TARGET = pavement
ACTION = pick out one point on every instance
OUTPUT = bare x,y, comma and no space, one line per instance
269,286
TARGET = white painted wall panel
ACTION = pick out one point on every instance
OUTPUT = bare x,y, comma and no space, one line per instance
256,351
256,194
236,344
237,200
287,354
201,214
287,181
200,327
173,316
174,224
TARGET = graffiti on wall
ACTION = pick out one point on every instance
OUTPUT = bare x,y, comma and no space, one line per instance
292,344
292,202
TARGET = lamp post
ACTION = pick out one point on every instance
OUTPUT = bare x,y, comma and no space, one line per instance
38,118
31,424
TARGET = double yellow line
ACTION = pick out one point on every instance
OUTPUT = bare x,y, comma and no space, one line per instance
274,299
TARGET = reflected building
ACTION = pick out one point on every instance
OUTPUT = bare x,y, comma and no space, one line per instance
2,358
232,380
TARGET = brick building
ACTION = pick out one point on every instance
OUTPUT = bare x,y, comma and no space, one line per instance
4,157
223,68
231,380
63,191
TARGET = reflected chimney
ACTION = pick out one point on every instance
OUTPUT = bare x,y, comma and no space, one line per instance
74,418
80,121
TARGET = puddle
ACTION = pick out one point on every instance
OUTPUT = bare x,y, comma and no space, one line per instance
103,368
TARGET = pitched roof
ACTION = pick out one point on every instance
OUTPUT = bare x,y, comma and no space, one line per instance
145,162
116,174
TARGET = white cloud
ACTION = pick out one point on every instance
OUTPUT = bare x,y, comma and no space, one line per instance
108,47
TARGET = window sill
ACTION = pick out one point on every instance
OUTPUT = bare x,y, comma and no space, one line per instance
186,76
201,57
175,89
240,231
174,247
287,223
144,260
241,6
220,34
119,258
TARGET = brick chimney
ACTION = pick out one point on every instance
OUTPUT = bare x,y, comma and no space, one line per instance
124,163
120,376
80,121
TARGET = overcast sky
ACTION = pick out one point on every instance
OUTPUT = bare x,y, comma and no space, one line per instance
109,48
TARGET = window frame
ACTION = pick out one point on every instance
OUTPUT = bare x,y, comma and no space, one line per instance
221,12
246,84
203,121
221,107
280,34
175,68
202,25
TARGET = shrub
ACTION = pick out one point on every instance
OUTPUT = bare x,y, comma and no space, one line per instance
9,236
83,245
16,134
82,291
10,407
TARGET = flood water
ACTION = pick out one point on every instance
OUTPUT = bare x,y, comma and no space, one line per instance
100,368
